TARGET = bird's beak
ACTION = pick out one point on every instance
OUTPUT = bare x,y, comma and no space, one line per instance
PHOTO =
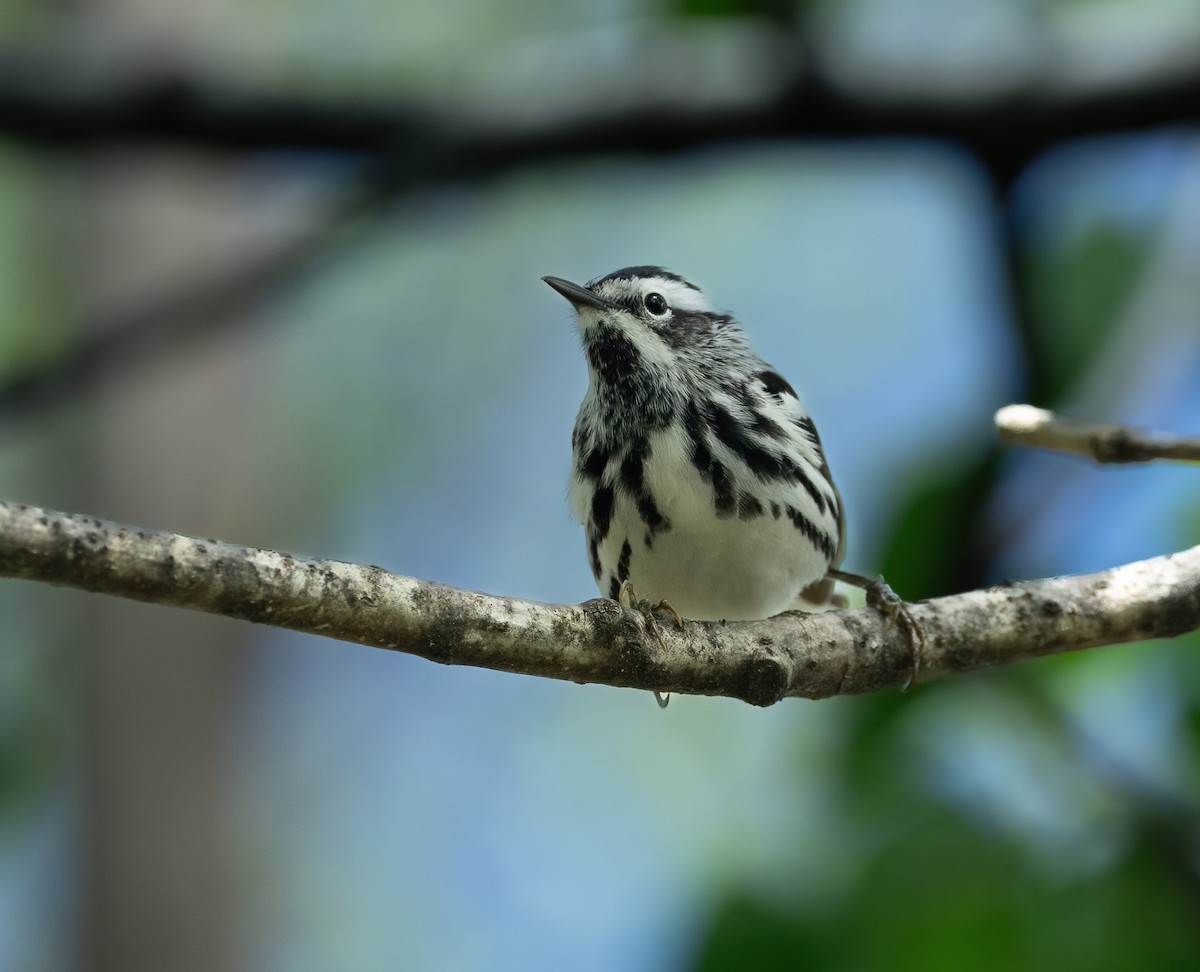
579,296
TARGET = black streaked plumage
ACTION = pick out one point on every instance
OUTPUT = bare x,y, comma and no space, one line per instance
688,440
623,562
602,506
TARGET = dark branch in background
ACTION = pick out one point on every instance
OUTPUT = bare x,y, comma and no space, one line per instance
198,307
162,325
761,662
1005,133
409,146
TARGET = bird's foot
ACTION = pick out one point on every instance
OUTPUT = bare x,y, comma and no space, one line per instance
881,597
628,598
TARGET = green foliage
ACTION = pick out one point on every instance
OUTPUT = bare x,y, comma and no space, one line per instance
781,11
1077,295
36,678
971,903
948,886
33,327
30,753
753,933
938,877
935,549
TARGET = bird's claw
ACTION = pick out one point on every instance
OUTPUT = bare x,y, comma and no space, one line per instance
628,599
881,597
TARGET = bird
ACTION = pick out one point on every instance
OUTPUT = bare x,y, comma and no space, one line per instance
697,473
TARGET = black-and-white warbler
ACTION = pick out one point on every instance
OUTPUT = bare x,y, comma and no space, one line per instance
698,474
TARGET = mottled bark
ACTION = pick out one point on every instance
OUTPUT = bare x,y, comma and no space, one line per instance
761,662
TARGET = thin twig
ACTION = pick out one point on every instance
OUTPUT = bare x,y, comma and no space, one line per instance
1029,426
761,662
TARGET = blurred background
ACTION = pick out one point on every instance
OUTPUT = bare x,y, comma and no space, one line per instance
269,272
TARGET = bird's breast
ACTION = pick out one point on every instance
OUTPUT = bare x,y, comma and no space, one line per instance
699,531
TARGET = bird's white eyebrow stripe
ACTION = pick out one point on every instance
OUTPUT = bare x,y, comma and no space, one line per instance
679,295
642,273
683,297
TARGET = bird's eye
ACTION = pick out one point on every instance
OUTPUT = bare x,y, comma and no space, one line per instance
656,304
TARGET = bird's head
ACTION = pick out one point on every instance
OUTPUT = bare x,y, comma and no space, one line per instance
648,318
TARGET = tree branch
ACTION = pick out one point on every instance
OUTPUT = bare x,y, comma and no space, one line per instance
163,324
1030,426
1005,131
760,662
